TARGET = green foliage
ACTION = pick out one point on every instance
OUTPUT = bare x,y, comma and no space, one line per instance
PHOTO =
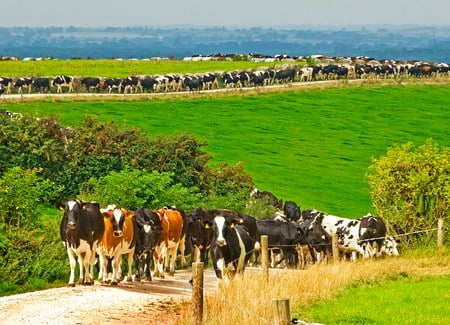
32,143
181,155
260,209
411,186
138,188
21,194
27,255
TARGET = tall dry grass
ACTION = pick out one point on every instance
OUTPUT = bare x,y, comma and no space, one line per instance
248,299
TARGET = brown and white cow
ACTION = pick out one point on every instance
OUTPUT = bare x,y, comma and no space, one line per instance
172,239
118,239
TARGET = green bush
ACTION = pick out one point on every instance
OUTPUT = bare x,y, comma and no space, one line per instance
132,188
411,186
21,194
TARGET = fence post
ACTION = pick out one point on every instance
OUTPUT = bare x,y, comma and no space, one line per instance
335,247
265,255
197,293
281,312
440,234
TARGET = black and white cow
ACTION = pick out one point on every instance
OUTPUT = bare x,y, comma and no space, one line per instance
193,83
81,230
372,234
7,83
149,234
41,84
2,90
355,236
267,197
210,81
282,236
61,82
317,239
389,247
112,83
199,233
131,85
23,83
285,75
148,84
231,246
91,83
258,80
231,80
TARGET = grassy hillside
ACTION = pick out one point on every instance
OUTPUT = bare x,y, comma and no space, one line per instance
311,146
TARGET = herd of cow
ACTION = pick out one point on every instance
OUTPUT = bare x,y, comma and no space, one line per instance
153,240
234,79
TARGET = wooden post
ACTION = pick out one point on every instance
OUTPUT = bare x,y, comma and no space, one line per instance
440,234
197,293
335,247
281,312
265,255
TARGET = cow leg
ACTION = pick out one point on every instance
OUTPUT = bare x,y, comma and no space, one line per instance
81,262
115,273
130,264
147,272
87,268
73,264
182,247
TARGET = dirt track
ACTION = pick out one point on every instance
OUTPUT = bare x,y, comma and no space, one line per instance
155,302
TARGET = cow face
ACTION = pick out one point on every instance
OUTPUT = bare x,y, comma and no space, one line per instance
72,211
222,226
149,235
117,218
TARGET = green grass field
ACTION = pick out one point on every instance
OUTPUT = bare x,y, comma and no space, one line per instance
311,146
402,301
116,68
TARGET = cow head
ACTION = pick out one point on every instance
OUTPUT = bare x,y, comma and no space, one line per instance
117,218
313,231
150,230
389,246
72,212
291,210
221,225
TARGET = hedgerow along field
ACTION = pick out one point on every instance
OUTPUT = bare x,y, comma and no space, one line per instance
312,146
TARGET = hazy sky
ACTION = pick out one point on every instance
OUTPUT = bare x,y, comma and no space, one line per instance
243,13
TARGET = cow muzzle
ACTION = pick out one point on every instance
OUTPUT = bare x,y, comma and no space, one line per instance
117,233
71,226
221,242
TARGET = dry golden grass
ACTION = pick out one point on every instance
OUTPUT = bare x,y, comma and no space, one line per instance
248,299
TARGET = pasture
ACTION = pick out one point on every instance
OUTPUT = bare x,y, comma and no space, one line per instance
312,146
116,68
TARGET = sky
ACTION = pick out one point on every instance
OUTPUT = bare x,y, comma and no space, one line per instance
226,13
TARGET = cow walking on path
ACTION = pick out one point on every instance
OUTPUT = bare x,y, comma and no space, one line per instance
81,230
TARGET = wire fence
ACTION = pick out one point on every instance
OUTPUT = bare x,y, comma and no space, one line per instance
261,320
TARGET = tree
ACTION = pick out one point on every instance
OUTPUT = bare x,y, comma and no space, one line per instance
410,186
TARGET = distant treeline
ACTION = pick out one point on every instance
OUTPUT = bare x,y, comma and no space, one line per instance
400,43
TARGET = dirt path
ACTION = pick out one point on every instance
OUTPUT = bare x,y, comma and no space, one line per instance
155,302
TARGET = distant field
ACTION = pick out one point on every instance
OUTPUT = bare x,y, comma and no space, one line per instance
312,146
116,68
